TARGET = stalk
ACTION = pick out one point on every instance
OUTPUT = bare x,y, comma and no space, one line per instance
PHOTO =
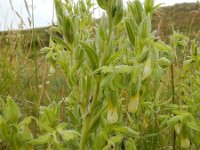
173,101
87,118
85,133
87,121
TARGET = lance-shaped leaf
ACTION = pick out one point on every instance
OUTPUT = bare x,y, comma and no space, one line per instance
68,135
130,32
43,139
173,121
92,55
126,131
117,12
145,28
119,69
60,41
103,4
4,129
11,111
137,10
144,55
161,46
130,144
59,11
149,5
68,31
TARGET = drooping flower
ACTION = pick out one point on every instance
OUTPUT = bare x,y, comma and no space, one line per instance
133,103
185,143
112,115
147,69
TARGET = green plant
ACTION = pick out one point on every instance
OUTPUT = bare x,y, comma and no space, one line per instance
108,79
14,131
54,133
125,88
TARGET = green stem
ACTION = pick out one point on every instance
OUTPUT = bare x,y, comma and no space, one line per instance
87,119
85,133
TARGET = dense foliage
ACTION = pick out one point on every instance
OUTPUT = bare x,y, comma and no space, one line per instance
127,89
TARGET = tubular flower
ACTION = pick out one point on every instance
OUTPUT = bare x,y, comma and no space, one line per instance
133,103
185,143
147,69
112,115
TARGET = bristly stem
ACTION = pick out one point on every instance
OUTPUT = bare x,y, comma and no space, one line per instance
87,118
173,100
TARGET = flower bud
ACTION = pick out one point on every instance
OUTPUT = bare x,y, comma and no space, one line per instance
164,62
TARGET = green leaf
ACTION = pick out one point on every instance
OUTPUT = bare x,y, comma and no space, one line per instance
68,135
126,131
92,55
43,139
143,56
130,32
119,69
173,121
130,144
116,139
145,28
4,130
124,69
102,33
149,5
117,12
193,126
161,46
68,31
59,11
60,41
137,10
103,4
11,111
100,141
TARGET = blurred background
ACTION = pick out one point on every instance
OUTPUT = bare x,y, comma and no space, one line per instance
15,14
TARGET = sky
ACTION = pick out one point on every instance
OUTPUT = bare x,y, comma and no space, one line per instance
43,11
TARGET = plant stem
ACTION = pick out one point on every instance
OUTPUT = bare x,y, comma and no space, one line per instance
85,132
87,119
172,83
173,100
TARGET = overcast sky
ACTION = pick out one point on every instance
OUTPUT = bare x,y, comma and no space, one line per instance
43,12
